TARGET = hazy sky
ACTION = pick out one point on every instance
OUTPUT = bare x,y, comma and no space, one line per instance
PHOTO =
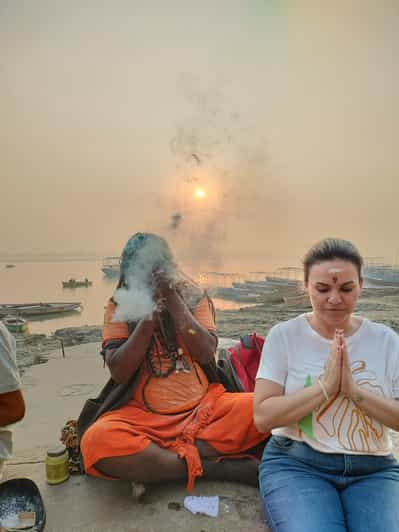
290,108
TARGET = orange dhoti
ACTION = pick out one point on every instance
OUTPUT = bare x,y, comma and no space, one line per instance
223,420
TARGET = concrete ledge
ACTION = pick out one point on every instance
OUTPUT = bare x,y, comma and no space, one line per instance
54,393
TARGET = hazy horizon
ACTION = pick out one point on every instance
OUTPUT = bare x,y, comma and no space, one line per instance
114,114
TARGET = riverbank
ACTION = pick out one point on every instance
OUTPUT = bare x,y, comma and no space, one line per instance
55,392
377,305
102,506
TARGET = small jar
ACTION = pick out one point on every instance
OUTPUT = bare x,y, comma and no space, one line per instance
57,469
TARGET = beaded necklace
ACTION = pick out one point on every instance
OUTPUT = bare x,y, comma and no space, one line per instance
165,340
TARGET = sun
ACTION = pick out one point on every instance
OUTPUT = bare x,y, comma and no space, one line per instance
199,193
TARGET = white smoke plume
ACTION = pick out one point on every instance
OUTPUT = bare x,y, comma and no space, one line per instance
136,300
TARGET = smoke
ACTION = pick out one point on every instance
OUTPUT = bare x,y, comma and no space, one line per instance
175,220
214,149
135,302
137,299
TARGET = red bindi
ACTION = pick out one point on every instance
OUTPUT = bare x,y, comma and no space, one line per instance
335,279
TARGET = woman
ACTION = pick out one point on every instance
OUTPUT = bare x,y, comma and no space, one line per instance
327,387
173,424
12,405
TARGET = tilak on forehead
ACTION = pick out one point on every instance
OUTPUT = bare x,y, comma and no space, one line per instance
334,271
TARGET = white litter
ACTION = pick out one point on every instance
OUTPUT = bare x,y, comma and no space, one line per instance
202,505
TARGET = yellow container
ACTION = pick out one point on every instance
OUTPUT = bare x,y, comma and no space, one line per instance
57,470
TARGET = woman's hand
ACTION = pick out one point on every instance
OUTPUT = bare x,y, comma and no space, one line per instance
348,386
331,377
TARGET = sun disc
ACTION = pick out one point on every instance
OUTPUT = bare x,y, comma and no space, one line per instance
199,193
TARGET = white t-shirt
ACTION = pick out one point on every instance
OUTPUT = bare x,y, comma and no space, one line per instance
9,382
294,356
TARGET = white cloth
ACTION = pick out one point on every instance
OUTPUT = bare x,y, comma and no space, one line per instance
9,382
5,443
9,375
294,356
202,505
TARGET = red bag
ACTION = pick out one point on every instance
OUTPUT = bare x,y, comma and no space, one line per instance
245,358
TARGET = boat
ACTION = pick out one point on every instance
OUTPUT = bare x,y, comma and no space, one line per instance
300,300
74,283
111,266
10,265
235,294
38,309
383,275
288,275
254,286
15,324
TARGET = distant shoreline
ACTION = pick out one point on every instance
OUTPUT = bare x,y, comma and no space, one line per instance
50,258
36,348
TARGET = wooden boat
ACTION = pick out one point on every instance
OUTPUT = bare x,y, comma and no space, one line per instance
379,291
235,294
74,283
254,286
381,281
38,309
10,265
380,274
15,325
301,300
287,276
111,266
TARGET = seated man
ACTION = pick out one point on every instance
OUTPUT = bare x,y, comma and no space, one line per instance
12,405
173,424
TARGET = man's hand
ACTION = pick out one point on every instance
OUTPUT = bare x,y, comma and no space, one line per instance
164,287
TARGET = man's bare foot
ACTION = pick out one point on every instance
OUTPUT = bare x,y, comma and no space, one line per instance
138,490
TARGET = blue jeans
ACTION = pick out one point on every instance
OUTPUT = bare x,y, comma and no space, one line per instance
304,490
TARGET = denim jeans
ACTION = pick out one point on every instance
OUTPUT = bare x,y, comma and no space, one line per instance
304,490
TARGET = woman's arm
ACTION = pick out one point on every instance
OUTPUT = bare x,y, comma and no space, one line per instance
272,409
384,410
124,361
12,407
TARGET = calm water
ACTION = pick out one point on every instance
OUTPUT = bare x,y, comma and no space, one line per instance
34,282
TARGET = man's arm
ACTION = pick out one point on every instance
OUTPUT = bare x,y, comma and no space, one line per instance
125,360
199,342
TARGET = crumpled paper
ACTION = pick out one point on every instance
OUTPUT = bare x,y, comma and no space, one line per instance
202,505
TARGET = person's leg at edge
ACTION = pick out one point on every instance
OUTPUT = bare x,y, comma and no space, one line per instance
297,498
371,503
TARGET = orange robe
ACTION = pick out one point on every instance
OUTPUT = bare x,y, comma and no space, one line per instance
224,420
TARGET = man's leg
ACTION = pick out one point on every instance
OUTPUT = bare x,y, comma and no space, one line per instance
152,465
